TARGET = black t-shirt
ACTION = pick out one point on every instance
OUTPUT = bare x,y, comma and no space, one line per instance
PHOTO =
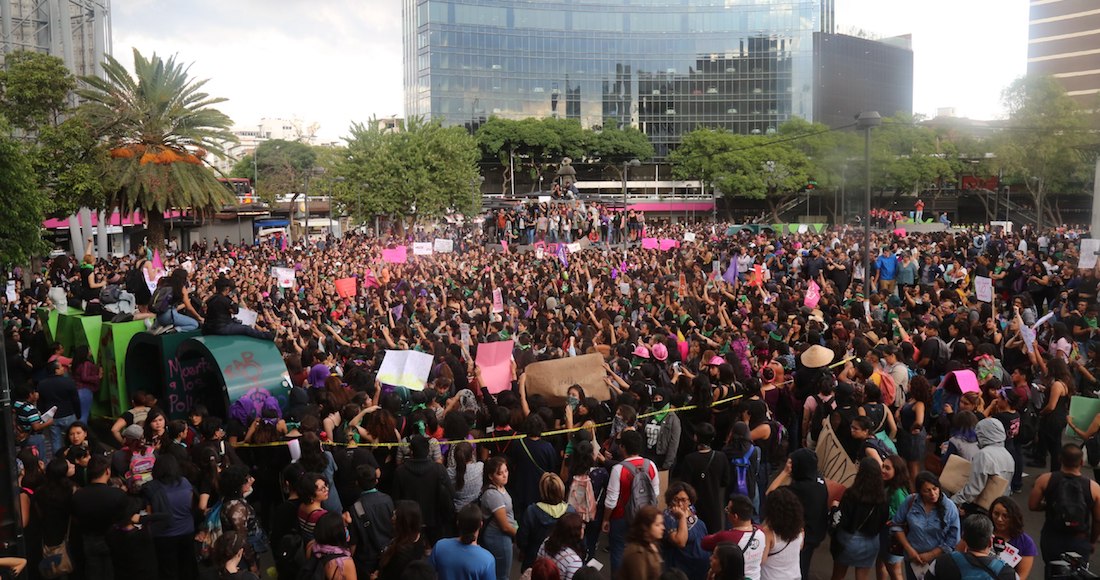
219,311
96,507
708,473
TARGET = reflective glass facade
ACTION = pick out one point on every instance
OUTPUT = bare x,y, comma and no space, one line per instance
663,66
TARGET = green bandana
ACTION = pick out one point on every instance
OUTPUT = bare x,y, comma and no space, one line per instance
660,416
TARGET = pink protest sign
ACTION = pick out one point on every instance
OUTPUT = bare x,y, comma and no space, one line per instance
498,300
667,244
495,361
650,243
813,295
398,255
504,246
346,288
968,381
900,232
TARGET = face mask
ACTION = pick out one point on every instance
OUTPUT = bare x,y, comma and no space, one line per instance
573,402
618,424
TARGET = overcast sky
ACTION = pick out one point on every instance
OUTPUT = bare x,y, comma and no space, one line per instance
336,61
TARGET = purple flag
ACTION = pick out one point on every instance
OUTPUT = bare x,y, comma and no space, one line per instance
396,311
731,272
561,255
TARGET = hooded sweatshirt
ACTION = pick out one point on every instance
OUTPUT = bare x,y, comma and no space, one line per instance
992,459
535,527
809,486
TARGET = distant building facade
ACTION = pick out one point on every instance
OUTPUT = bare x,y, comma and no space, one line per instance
856,74
1064,43
76,31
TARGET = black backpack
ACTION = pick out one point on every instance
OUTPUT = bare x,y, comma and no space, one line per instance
290,555
821,413
1071,503
162,299
135,280
315,568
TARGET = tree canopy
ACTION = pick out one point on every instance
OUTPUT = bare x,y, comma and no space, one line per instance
278,166
158,126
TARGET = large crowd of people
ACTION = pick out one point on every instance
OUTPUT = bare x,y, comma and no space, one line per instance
731,360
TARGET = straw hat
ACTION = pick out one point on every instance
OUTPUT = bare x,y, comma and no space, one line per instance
816,357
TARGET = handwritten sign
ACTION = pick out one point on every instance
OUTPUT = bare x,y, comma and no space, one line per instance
183,381
813,295
689,236
422,248
443,246
495,361
398,255
346,288
284,277
666,244
956,472
1087,259
573,248
552,378
247,317
983,286
405,368
498,300
832,459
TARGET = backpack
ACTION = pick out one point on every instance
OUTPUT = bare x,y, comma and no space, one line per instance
889,387
141,470
1071,506
135,279
943,355
315,568
641,492
213,529
161,301
743,481
110,294
970,568
373,539
582,498
290,554
821,413
778,442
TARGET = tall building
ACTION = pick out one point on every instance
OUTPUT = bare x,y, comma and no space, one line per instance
662,66
1064,43
853,74
76,31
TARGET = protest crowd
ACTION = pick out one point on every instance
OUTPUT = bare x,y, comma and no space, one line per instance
733,403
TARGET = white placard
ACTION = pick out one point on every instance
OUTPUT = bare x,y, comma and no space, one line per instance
405,368
285,276
983,286
540,253
1089,247
573,248
443,246
544,199
689,236
10,291
422,248
247,317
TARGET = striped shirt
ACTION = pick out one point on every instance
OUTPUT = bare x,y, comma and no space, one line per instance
567,560
27,416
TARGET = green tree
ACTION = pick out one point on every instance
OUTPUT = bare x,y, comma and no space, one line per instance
158,126
422,170
71,163
36,90
536,144
22,206
612,147
278,166
754,167
1040,147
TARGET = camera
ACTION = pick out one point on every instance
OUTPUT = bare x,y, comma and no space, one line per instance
1070,566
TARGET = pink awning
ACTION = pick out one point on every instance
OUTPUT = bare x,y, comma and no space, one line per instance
673,207
116,220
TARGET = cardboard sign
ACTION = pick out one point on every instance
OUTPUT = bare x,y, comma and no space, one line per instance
498,300
346,288
956,472
832,459
398,255
552,378
540,253
443,246
1083,410
650,243
689,236
1010,555
995,487
422,248
405,368
10,291
1087,259
247,317
813,295
495,361
983,286
284,277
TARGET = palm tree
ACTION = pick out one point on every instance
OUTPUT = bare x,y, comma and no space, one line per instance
159,128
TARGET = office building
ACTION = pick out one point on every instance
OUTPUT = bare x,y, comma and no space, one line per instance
662,66
853,74
1064,43
76,31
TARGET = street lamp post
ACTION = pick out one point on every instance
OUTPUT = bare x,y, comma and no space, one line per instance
866,121
626,168
312,171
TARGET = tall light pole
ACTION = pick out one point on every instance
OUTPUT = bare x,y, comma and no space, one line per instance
626,169
310,173
866,121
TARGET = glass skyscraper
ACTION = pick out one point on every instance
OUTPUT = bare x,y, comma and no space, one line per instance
663,66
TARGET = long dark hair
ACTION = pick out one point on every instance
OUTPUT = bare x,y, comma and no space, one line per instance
463,453
57,489
330,530
313,456
639,528
1015,515
81,355
785,515
406,528
941,509
1058,370
868,486
566,533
